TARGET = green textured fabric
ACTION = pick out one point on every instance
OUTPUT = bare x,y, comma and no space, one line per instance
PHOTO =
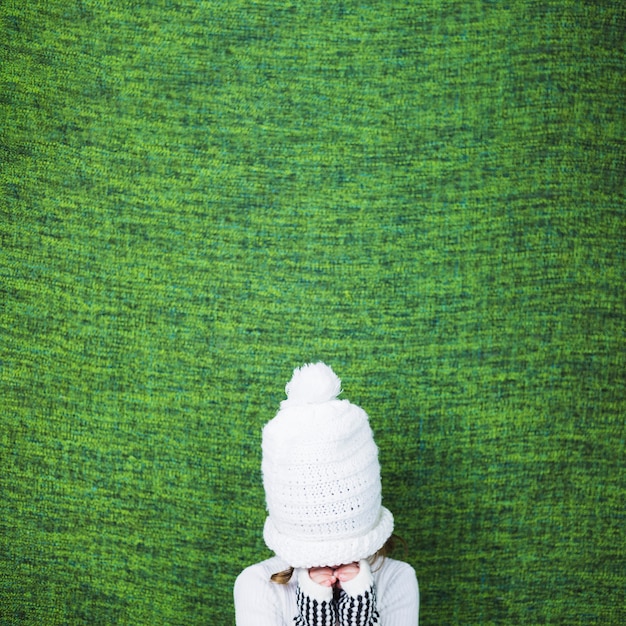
197,197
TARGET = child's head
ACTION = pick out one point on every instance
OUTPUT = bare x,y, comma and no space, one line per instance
321,476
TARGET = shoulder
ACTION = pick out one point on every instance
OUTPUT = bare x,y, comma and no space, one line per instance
259,601
397,588
258,575
391,567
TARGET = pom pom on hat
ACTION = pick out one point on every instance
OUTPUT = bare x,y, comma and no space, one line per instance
314,383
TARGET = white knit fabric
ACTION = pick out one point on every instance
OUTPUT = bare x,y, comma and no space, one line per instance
259,602
321,476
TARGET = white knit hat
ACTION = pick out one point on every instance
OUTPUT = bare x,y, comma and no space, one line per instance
321,476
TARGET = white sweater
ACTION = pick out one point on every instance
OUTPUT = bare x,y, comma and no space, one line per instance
260,602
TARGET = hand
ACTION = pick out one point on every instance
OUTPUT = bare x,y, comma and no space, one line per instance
324,576
344,573
334,576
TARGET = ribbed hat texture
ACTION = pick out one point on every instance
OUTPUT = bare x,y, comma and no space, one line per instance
321,476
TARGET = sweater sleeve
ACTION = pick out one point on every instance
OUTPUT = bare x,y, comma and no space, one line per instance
256,604
398,594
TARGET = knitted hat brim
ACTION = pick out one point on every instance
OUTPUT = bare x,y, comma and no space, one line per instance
329,551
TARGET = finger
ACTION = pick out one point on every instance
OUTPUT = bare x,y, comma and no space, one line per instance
347,572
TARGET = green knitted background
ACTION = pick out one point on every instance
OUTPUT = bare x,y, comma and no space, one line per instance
198,196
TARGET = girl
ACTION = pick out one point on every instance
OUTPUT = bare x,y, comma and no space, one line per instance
326,523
